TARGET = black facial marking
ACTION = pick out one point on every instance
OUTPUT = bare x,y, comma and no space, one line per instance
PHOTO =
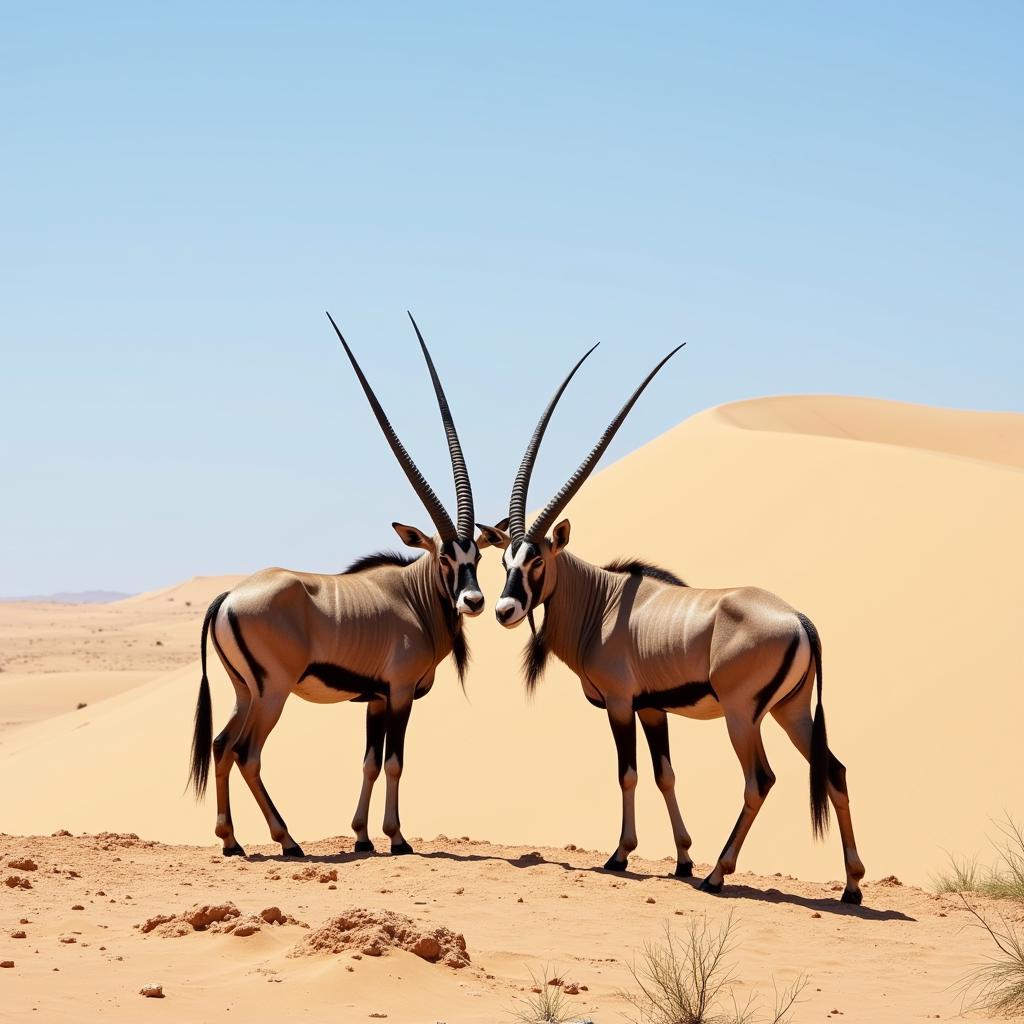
255,667
344,680
685,695
765,694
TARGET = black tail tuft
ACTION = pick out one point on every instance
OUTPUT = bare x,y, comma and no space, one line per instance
202,734
819,743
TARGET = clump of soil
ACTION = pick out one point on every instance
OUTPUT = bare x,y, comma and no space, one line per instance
23,864
311,873
218,917
120,840
17,882
891,882
373,932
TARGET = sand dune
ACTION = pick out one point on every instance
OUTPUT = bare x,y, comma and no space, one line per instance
894,527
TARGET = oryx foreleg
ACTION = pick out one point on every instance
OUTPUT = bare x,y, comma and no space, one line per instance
394,756
373,761
623,723
249,749
655,725
758,779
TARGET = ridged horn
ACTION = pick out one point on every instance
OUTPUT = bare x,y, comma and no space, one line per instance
517,502
436,511
575,482
463,490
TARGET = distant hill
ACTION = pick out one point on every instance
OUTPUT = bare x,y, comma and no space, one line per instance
79,597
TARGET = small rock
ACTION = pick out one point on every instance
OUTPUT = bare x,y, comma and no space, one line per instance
377,1014
77,906
816,914
23,864
81,704
6,963
570,988
17,882
18,934
890,881
68,940
152,991
244,929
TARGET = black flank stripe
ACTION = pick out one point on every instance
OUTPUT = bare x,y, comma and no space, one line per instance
765,694
346,681
257,670
684,696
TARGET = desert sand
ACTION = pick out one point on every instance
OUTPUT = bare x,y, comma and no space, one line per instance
894,527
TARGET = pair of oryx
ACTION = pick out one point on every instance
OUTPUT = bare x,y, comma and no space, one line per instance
641,641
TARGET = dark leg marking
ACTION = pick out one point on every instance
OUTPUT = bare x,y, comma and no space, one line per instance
257,670
763,697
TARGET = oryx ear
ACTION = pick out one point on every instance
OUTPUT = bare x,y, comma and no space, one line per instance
559,536
493,536
414,538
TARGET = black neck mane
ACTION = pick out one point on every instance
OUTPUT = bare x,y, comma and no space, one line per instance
637,567
535,657
379,558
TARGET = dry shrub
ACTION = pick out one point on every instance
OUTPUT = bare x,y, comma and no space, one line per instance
689,980
546,1004
1004,880
997,986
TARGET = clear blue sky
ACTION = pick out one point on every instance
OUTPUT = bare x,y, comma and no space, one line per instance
817,197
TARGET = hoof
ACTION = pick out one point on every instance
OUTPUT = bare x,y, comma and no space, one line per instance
614,864
293,851
234,850
853,896
708,886
684,870
401,850
363,846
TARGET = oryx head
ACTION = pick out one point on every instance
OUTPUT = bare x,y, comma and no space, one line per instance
452,549
531,556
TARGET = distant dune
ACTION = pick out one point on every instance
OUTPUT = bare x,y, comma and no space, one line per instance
77,597
896,528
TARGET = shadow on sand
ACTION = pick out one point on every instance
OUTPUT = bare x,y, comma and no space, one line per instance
823,905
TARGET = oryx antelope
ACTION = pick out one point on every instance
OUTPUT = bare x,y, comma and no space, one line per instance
374,633
643,644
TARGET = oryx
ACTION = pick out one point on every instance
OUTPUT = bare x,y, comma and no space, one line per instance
643,643
374,633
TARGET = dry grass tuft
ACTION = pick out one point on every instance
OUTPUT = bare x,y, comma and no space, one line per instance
1004,880
688,980
997,986
546,1004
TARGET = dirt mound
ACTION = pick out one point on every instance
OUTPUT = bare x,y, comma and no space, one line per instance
373,932
120,840
218,917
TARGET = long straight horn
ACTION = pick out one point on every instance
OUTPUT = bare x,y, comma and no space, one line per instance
517,503
575,482
463,490
434,508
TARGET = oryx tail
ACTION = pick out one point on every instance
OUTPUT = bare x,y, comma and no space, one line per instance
202,735
819,742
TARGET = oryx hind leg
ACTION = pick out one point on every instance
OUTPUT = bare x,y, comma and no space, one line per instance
373,761
795,718
224,757
623,723
249,750
758,779
655,725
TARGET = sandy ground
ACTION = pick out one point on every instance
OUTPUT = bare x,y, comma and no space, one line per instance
894,527
520,910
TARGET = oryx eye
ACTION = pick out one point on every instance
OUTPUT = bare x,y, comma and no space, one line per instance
536,563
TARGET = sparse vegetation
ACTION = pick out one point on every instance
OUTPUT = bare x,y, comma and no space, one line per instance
1004,880
545,1004
689,980
997,986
